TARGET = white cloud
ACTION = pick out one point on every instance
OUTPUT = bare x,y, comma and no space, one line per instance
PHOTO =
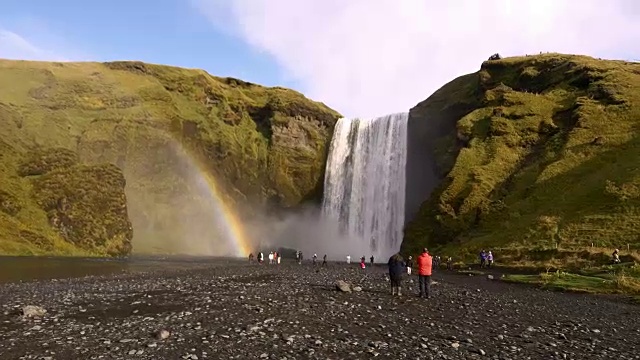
15,46
372,57
31,38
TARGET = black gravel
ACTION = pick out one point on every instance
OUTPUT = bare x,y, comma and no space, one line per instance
240,311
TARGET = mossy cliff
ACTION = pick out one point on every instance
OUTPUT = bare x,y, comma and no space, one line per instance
529,153
264,146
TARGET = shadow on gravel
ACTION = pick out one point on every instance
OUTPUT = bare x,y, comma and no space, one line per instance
249,279
116,312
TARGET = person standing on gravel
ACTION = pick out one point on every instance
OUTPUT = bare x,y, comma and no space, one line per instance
324,260
348,259
483,258
489,259
396,268
371,258
315,257
425,264
409,265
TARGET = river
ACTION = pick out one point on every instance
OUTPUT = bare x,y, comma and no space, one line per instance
27,268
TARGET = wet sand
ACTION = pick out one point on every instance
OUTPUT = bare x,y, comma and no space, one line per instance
228,309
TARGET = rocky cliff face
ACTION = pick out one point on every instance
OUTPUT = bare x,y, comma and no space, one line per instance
168,130
529,152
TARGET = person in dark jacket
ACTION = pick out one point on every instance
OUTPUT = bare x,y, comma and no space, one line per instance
396,268
409,265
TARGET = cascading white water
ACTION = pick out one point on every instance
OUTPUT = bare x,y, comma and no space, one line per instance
364,184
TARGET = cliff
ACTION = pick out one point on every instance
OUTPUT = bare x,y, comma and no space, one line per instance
528,155
165,129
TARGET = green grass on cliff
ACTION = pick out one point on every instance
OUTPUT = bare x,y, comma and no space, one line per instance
263,145
543,157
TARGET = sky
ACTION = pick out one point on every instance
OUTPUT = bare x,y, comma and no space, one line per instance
363,58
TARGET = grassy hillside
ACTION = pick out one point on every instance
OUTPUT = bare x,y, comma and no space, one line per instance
263,145
540,162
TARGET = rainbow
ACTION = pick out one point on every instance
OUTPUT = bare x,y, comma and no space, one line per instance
235,231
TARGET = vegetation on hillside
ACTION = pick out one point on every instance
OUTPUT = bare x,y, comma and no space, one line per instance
161,126
612,279
50,203
541,157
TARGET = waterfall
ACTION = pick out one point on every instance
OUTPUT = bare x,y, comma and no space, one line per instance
364,184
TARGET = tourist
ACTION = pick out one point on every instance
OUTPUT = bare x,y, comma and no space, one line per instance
615,257
315,257
483,258
489,259
449,263
425,264
348,259
278,256
324,260
396,268
301,258
260,257
409,265
251,257
270,257
362,262
371,258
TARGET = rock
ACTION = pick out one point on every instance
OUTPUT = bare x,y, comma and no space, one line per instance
490,277
162,334
357,289
343,286
33,311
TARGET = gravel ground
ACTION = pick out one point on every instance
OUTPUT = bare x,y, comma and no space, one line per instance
234,310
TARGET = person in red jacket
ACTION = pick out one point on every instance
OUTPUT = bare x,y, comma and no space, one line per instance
425,263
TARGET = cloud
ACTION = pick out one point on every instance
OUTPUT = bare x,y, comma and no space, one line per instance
14,46
28,38
372,57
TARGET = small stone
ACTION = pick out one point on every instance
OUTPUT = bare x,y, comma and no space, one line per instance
163,334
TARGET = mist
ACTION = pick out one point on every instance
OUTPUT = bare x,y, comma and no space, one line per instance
173,210
169,202
304,229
